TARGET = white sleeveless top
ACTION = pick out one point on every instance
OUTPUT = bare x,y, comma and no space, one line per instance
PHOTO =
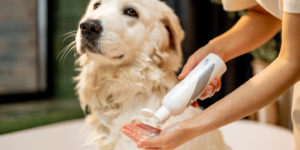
275,7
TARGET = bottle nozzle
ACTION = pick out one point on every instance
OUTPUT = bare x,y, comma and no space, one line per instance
162,115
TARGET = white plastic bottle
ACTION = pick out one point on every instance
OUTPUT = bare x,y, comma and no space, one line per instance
189,89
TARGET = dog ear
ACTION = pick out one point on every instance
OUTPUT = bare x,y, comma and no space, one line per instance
176,34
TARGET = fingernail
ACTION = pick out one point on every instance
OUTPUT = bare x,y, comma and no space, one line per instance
209,93
180,75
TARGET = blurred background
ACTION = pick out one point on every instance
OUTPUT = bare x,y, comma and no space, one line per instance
36,88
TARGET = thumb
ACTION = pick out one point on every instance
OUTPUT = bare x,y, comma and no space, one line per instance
194,60
150,142
188,67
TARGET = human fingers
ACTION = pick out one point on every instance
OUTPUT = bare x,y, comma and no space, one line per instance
219,83
158,148
195,104
153,148
190,65
194,60
147,127
207,92
131,134
144,133
215,85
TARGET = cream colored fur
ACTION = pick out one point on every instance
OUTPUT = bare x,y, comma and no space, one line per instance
115,90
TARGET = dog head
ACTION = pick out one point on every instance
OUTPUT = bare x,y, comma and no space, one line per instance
118,32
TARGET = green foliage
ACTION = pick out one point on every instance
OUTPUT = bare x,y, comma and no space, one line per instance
21,116
234,15
219,2
66,17
266,52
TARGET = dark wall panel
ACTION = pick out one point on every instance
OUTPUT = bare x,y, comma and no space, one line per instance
203,21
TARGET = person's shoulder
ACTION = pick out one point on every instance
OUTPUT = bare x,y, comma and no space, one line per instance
237,5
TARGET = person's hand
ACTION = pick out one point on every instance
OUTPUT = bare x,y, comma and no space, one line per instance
192,62
139,131
150,138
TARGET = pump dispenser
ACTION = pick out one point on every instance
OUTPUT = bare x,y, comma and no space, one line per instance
189,89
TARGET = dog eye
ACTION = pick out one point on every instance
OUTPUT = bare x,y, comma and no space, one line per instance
96,5
131,12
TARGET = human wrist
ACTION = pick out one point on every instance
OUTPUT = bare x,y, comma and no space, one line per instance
193,127
215,47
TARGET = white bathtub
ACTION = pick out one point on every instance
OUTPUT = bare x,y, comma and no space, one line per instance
59,136
241,135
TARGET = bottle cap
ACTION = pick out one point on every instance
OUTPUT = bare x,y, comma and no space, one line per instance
147,112
162,115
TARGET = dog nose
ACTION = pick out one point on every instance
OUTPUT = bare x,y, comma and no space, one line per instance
90,27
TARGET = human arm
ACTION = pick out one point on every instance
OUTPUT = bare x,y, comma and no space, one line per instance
250,97
252,30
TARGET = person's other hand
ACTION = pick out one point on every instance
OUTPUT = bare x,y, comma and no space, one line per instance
150,138
139,131
192,62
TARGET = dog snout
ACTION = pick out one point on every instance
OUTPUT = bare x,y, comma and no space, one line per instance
90,28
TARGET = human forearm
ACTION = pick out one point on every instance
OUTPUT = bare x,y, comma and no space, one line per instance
261,89
253,29
250,97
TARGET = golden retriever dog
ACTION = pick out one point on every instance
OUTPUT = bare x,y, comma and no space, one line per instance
129,53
